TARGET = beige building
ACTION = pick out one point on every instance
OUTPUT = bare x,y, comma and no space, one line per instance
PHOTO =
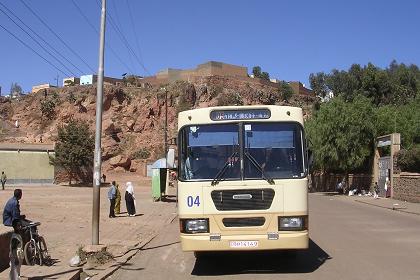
93,79
299,88
211,68
27,163
37,88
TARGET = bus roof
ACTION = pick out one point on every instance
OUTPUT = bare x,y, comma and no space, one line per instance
276,113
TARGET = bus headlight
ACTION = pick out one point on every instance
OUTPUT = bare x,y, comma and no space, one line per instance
194,225
293,223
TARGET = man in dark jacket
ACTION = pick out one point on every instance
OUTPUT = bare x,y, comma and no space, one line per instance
11,211
112,195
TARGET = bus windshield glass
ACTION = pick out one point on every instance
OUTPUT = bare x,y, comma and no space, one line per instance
206,149
268,150
276,147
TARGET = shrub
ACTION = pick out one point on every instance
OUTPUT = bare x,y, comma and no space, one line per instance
143,153
409,160
230,99
71,98
48,109
183,104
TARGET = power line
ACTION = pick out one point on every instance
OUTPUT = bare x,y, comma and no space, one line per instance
26,45
97,32
123,39
119,24
36,41
57,36
40,37
134,29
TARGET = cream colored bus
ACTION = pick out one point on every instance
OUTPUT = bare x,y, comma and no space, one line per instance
242,179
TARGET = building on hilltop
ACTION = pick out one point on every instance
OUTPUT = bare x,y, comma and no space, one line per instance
299,88
71,81
37,88
93,79
211,68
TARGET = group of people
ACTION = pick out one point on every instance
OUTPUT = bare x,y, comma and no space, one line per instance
114,196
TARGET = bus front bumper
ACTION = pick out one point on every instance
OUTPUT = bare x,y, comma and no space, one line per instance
249,242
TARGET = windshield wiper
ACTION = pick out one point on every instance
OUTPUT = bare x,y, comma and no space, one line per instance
258,166
222,171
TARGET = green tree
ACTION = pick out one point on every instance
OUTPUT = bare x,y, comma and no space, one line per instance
256,71
397,84
265,76
318,83
74,148
342,134
285,90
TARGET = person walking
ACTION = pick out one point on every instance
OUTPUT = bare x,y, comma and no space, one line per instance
130,200
112,195
117,200
3,179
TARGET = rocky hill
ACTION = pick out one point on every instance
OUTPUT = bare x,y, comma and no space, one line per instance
133,117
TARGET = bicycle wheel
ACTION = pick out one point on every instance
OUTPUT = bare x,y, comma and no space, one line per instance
32,253
43,248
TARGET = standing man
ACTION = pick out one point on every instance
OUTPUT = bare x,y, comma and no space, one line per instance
3,179
112,195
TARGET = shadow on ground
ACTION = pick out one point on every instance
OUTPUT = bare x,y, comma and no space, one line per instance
169,198
226,263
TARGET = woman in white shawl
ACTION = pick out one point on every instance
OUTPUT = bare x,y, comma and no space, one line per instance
129,200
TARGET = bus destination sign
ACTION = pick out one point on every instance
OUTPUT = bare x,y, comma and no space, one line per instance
246,114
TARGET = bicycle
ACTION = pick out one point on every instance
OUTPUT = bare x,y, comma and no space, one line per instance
35,250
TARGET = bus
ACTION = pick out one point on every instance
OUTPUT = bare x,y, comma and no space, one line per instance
242,179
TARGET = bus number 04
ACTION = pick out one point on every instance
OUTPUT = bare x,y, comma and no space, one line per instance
191,201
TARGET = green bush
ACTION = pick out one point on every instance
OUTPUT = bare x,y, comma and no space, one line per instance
183,104
409,160
48,109
143,153
71,98
230,99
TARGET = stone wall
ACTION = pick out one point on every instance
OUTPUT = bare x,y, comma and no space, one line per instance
5,234
407,187
327,182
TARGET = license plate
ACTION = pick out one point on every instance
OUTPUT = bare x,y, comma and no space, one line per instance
243,244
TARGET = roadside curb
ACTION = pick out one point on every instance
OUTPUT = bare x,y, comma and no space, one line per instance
387,207
108,270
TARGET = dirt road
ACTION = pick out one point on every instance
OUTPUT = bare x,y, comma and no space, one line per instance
65,214
349,240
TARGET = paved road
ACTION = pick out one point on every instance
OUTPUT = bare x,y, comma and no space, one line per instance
349,240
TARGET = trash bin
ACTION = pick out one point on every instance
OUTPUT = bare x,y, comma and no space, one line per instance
158,183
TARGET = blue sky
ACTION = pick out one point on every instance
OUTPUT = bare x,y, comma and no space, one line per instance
288,39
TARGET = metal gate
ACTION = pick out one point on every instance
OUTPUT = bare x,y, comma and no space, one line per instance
384,172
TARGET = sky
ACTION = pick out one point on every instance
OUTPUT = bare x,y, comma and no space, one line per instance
288,39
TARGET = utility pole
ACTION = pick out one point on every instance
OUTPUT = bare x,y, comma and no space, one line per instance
98,154
166,128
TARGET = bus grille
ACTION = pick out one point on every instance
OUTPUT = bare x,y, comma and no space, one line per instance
250,199
244,222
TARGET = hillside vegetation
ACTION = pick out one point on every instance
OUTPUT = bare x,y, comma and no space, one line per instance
133,118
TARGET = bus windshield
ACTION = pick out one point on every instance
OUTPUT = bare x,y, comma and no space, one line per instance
268,150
